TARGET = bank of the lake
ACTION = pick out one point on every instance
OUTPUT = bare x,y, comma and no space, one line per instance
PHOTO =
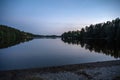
106,70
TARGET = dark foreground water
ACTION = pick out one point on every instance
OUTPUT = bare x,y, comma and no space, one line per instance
48,52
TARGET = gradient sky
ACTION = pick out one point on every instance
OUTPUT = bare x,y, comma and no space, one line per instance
56,16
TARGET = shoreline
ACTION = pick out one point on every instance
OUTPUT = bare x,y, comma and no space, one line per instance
71,67
106,69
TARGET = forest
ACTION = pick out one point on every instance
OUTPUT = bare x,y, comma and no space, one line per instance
10,36
109,31
101,38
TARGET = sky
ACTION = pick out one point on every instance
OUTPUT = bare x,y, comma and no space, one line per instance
50,17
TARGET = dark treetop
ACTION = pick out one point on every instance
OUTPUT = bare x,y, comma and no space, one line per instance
10,36
109,31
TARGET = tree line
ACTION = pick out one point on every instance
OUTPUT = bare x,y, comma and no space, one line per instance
109,31
10,36
102,37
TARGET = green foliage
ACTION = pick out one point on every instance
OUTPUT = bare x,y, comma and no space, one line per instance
102,37
10,36
108,31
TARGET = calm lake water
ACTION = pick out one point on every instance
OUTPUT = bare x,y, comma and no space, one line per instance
47,52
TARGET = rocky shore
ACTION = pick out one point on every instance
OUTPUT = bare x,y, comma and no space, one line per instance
107,70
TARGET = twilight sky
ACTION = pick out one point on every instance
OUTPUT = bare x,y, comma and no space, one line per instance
56,16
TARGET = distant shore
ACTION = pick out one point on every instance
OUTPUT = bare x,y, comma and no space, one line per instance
97,70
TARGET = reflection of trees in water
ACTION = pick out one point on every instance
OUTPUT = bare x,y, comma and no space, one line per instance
100,46
8,43
73,42
10,36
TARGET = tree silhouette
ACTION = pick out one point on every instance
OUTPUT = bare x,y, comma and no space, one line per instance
109,31
10,36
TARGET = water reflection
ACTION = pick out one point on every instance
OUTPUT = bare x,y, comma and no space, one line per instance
12,42
45,53
99,46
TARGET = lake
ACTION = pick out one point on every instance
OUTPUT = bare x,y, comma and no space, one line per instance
38,53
